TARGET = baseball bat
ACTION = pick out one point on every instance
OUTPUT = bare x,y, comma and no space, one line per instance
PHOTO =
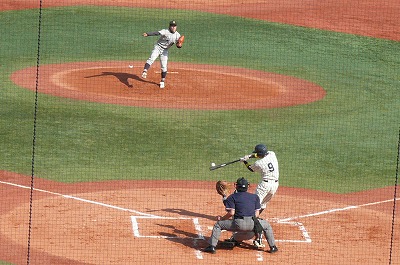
228,163
224,164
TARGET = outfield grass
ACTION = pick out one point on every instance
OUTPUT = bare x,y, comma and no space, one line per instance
343,143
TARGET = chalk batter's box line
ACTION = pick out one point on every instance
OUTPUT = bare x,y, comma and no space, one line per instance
136,233
303,230
135,227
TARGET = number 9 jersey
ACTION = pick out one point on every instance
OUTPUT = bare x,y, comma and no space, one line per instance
267,167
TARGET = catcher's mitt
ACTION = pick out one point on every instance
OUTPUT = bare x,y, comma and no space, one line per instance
222,188
180,41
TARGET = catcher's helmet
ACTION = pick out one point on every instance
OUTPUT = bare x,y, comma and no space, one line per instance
260,150
242,184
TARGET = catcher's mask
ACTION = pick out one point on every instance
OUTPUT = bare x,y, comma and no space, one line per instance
242,184
260,150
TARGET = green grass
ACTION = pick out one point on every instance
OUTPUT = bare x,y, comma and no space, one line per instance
343,143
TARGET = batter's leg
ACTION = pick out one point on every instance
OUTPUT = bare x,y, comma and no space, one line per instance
264,202
272,188
265,191
262,191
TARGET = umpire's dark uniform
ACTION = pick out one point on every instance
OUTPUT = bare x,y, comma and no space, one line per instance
242,206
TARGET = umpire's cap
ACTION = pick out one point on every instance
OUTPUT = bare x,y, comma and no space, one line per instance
242,184
172,23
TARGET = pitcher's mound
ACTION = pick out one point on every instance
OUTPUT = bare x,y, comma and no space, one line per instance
188,86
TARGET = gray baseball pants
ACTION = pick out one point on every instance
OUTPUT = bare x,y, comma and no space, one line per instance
243,227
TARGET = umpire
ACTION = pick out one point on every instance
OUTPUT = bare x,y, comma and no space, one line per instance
242,206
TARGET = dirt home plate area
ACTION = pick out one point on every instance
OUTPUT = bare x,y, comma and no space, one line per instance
128,222
131,222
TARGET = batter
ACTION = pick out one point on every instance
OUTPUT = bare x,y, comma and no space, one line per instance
267,166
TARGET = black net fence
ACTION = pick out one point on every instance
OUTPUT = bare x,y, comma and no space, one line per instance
119,117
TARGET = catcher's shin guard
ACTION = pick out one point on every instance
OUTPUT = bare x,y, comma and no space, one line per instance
258,231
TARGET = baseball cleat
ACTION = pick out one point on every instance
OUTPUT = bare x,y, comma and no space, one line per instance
209,249
144,74
273,249
162,84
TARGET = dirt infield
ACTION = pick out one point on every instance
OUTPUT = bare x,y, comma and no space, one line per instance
188,86
129,222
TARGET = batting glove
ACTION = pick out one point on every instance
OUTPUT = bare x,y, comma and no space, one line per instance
245,158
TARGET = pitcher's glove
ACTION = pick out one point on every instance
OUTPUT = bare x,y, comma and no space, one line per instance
180,41
222,188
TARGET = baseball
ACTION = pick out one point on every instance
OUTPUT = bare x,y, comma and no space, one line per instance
130,66
213,164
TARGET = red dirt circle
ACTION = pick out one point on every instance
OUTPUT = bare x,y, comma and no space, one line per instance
188,86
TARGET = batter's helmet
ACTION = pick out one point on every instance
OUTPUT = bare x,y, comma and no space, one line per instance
242,184
260,150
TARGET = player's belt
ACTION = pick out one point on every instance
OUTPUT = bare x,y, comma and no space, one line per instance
270,180
242,217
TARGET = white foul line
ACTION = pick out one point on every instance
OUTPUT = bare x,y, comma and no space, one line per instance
301,227
334,210
82,200
135,226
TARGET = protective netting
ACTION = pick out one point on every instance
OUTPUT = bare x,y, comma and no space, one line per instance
113,138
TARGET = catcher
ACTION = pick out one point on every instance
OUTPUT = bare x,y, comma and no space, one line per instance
168,37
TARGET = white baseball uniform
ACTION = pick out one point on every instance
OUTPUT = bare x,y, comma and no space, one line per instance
166,40
269,183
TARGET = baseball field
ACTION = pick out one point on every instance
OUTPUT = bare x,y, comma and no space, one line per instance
99,166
